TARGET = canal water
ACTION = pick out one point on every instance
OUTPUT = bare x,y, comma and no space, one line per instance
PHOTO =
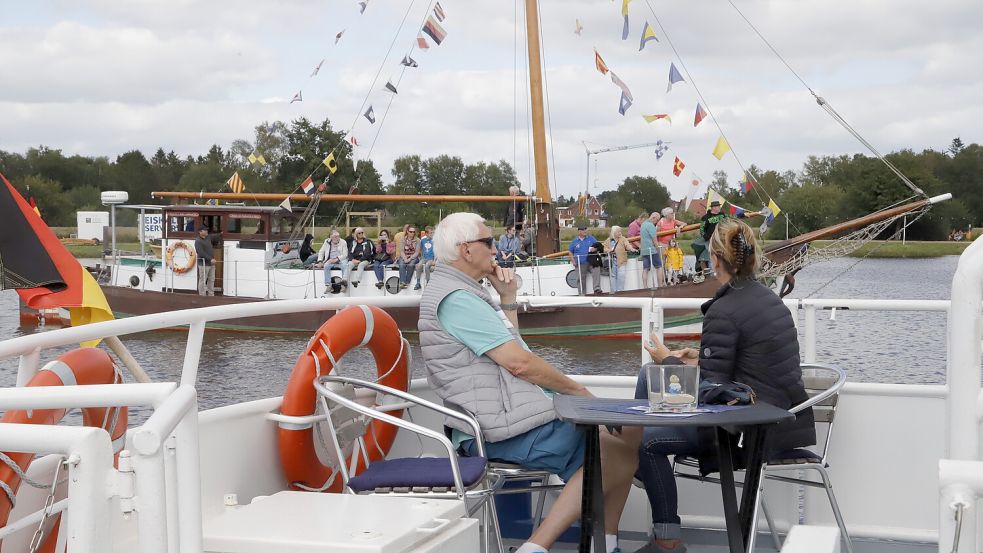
893,347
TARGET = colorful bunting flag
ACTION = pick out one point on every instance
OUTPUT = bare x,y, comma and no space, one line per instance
34,205
621,84
700,114
317,68
257,158
648,35
308,186
297,97
438,11
578,28
391,87
747,183
678,166
599,63
625,103
337,37
694,187
285,205
436,32
409,62
674,76
421,42
775,210
660,149
736,211
362,5
353,141
624,13
656,117
370,115
330,163
252,158
712,196
235,183
721,149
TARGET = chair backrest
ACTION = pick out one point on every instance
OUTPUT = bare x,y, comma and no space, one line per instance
823,384
344,428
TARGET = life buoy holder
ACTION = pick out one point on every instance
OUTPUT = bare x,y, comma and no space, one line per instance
189,251
354,326
83,366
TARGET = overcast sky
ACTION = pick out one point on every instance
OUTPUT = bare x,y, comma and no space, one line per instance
101,77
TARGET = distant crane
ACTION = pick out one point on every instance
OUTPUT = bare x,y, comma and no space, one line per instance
591,152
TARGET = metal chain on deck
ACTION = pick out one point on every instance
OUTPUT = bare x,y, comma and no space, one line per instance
48,502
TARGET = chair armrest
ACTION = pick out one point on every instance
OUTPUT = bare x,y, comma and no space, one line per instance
825,394
395,421
467,418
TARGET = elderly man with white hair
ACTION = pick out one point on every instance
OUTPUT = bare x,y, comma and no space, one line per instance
515,211
333,255
476,361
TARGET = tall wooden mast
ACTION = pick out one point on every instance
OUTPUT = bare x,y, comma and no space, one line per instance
547,231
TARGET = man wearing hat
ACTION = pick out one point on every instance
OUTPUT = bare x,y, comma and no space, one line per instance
583,245
709,223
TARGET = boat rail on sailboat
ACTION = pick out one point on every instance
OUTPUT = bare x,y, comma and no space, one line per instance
164,451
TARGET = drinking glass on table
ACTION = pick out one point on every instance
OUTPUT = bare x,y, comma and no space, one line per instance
680,385
655,383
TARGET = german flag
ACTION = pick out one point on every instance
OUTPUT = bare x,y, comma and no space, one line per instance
36,264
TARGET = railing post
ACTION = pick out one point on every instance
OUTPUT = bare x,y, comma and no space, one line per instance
652,323
28,366
192,353
810,332
189,481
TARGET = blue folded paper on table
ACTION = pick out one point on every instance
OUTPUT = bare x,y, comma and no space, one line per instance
640,407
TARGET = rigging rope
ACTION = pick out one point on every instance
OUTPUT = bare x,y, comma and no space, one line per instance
828,108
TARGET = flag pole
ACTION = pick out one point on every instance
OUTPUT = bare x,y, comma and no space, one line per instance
547,231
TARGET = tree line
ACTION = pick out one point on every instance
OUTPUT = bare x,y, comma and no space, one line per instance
826,190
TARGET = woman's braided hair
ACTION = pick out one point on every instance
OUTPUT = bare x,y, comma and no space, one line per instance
734,243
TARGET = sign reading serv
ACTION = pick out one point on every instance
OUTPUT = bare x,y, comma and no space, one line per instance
151,227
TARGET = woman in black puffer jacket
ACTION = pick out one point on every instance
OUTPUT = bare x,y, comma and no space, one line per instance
749,337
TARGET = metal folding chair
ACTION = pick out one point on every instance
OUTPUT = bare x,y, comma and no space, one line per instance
823,384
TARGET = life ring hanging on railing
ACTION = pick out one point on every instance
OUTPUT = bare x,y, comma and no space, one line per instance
189,251
357,325
83,366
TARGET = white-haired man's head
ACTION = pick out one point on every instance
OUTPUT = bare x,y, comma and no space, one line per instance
514,190
454,230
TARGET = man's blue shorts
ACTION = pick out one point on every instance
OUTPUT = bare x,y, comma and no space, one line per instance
651,260
556,446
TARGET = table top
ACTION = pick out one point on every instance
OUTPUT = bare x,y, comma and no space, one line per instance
583,410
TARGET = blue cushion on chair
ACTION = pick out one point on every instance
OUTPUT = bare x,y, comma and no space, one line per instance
427,472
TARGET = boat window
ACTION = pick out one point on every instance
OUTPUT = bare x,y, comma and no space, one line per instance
283,225
244,226
182,225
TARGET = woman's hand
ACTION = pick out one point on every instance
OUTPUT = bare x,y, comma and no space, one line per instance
688,356
657,350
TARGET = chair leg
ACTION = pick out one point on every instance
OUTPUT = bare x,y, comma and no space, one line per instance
493,528
541,503
753,533
836,508
771,524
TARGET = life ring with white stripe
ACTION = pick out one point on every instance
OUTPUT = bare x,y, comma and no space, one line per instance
189,253
83,366
354,326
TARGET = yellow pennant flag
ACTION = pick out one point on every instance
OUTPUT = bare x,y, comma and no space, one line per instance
330,163
252,158
775,210
657,116
261,159
721,149
624,7
235,183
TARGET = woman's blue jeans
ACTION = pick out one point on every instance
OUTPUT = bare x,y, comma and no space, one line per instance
655,469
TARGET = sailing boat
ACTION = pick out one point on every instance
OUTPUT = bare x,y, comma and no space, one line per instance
135,286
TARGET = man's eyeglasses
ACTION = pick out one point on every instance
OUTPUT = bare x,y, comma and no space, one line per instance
488,242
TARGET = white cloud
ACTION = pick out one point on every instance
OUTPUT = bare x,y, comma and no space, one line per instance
102,77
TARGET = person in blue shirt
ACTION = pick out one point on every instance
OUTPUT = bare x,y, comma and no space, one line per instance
508,246
427,260
582,246
648,246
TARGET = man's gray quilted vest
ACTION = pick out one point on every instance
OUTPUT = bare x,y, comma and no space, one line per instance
505,406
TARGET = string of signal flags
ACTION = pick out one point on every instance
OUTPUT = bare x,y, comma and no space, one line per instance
720,149
431,28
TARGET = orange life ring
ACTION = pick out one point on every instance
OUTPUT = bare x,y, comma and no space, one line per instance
83,366
357,325
189,251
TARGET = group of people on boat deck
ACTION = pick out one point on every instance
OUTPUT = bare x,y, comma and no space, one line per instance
477,361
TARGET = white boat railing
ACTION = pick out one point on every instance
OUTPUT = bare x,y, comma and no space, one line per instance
154,451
